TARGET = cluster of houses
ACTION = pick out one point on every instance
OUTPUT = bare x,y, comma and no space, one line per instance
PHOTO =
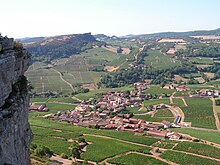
139,66
177,87
209,93
40,108
118,122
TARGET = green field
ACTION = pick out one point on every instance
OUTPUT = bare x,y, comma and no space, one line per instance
167,144
86,67
199,148
149,118
128,136
183,159
199,111
178,102
179,94
160,61
102,148
157,90
205,135
163,113
148,103
201,60
135,159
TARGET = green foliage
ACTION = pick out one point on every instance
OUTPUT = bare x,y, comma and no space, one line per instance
184,159
199,148
53,48
64,156
102,148
135,159
206,135
41,151
167,144
202,50
82,140
163,113
199,112
148,103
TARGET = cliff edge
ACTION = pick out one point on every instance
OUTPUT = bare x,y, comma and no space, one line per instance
15,132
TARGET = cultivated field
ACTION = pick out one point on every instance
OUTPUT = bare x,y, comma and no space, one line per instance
159,61
199,112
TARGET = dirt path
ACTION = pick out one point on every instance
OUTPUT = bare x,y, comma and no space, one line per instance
61,77
171,97
61,160
177,111
184,101
75,98
215,114
202,156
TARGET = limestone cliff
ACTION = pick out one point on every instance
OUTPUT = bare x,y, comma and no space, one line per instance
15,132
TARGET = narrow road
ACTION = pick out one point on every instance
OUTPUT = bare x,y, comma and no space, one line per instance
61,77
171,97
177,111
215,114
184,101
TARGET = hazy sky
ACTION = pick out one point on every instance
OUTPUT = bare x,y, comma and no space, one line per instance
26,18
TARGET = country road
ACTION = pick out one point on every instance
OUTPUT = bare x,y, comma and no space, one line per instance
215,114
61,77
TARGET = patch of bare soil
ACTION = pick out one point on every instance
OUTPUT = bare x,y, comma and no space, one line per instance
110,48
209,74
70,140
200,79
171,51
111,68
178,78
202,66
91,86
126,51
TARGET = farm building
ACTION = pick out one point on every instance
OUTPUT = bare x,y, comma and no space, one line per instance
41,108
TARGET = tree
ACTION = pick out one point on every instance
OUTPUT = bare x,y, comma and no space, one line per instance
75,152
217,102
119,50
82,140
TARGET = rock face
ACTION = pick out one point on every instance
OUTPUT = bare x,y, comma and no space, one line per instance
15,132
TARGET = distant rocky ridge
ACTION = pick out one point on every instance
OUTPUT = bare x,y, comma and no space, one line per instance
15,132
49,48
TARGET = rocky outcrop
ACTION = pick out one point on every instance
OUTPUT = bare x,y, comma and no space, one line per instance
15,132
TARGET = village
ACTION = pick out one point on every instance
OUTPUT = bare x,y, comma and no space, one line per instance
110,112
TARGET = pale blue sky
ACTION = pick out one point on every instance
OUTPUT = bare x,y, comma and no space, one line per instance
26,18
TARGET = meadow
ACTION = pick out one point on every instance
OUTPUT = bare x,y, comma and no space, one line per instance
199,148
183,159
102,148
149,118
148,103
160,61
205,135
199,112
157,90
131,159
167,144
